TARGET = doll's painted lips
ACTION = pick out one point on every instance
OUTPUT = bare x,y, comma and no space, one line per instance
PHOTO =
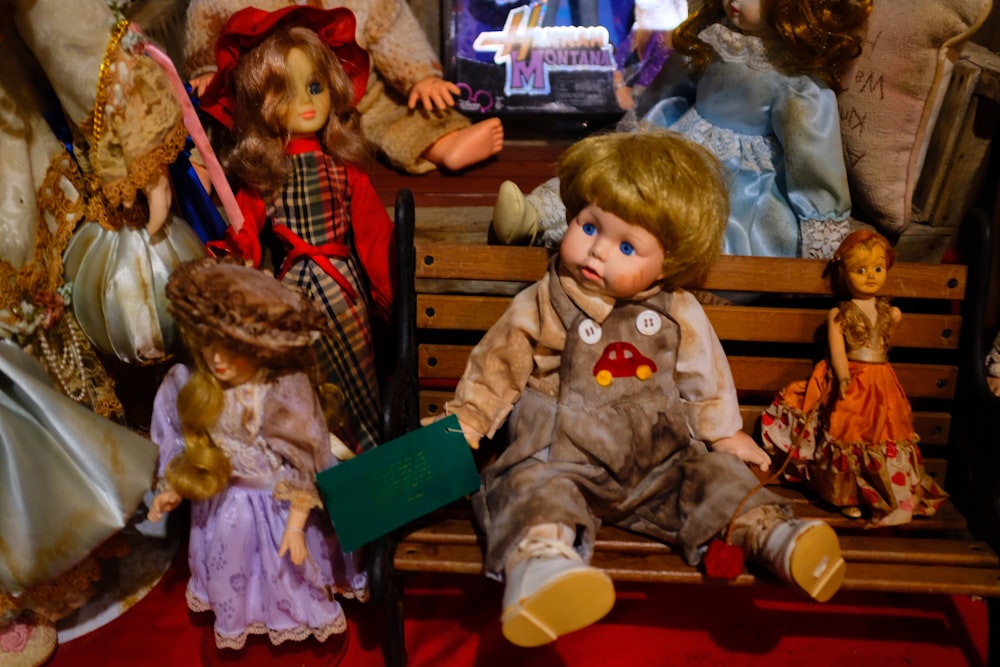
590,274
308,115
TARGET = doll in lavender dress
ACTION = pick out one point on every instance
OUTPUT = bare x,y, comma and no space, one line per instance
763,100
242,435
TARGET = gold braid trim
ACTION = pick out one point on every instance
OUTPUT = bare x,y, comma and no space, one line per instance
59,596
96,123
58,215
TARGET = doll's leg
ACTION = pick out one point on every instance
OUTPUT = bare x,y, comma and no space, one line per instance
538,218
539,533
400,134
804,553
515,220
468,146
550,591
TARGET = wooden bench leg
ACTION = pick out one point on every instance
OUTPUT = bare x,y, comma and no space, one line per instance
394,647
387,592
993,632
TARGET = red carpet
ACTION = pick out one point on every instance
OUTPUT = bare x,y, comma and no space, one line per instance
452,621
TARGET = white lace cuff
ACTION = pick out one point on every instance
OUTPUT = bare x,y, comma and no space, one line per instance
821,238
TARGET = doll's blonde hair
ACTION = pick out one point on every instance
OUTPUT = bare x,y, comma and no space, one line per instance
822,36
660,181
202,469
260,97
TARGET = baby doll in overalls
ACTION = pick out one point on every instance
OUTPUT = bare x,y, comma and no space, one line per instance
622,405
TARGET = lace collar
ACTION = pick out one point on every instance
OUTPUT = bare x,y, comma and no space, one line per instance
733,46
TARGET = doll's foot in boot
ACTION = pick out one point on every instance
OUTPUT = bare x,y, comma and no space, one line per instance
851,512
807,555
515,219
552,593
468,146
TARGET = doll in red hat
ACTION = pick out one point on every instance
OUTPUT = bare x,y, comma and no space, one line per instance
287,84
408,108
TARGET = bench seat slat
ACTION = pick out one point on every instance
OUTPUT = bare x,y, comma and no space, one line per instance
933,427
868,547
766,274
771,374
667,567
746,323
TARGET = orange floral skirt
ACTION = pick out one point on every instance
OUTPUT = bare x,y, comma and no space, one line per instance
856,451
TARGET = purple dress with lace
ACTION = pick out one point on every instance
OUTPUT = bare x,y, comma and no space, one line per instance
275,436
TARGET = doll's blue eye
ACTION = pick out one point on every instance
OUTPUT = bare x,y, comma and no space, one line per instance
315,88
626,248
589,228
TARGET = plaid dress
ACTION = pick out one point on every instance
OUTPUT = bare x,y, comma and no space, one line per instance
338,238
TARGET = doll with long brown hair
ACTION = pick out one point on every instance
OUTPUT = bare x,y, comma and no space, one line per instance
408,109
298,158
762,98
849,427
242,435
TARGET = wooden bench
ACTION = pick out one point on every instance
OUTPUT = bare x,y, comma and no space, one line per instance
450,294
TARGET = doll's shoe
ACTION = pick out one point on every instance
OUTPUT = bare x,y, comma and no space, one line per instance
515,220
552,593
807,555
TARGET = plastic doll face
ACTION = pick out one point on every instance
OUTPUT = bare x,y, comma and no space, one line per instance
866,271
309,106
608,255
744,14
228,367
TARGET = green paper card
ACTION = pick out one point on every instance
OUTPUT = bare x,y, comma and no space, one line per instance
384,488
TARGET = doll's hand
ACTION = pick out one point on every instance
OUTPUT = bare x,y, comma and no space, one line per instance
200,83
471,436
743,446
159,197
842,387
162,503
434,93
623,93
293,543
994,384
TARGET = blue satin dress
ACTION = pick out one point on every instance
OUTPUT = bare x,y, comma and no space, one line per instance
778,135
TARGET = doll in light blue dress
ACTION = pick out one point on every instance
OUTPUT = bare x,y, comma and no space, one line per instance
763,99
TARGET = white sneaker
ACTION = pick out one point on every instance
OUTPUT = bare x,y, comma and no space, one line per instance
515,220
552,593
807,555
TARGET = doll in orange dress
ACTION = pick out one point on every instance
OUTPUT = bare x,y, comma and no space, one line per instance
849,427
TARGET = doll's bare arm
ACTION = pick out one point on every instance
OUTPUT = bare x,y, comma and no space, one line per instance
200,83
433,92
158,196
838,351
293,542
743,446
163,502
